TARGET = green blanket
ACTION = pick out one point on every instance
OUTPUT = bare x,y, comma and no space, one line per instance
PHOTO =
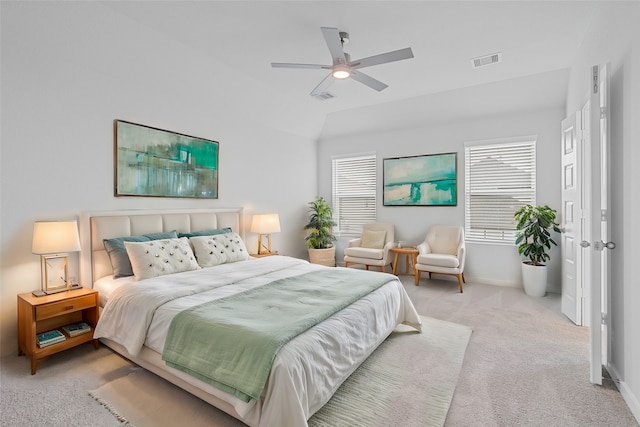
231,342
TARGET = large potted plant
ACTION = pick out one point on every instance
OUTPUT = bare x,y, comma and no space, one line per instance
320,237
533,237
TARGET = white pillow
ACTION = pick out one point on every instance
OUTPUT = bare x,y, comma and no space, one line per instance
219,249
159,257
373,239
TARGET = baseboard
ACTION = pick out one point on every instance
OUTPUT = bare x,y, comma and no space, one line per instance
486,281
631,400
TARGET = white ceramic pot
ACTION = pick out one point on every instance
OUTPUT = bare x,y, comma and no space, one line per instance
534,279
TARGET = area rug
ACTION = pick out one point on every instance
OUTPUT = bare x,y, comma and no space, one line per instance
408,381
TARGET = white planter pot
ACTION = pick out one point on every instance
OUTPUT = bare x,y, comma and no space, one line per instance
534,279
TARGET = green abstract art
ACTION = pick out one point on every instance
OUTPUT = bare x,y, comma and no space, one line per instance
159,163
426,180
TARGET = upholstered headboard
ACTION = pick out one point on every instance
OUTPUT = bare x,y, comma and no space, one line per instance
96,226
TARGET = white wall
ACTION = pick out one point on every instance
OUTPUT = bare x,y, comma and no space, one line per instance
498,264
614,38
68,70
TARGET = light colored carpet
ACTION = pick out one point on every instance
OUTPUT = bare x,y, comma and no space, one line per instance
409,381
525,365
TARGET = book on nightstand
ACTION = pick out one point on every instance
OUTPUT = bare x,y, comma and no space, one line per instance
76,329
51,337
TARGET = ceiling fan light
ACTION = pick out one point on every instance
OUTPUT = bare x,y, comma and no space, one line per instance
341,71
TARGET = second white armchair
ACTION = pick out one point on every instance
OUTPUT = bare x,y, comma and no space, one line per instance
443,251
372,248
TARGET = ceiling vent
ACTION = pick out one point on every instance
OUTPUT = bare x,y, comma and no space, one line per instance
482,61
323,96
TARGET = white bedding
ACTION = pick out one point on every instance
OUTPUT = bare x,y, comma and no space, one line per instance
107,284
306,372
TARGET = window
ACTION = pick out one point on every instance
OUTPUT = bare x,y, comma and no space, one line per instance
354,192
500,178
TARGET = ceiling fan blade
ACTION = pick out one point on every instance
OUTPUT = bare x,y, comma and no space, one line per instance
368,80
323,86
383,58
289,65
332,37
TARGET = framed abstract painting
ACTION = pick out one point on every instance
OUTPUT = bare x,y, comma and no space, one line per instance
159,163
426,180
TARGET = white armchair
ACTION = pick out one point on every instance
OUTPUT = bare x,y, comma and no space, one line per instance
372,248
442,252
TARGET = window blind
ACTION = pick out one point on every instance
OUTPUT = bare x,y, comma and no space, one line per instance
500,178
353,193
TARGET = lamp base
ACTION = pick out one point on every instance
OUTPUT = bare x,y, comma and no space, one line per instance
56,291
262,249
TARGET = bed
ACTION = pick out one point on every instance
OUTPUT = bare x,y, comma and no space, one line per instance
306,370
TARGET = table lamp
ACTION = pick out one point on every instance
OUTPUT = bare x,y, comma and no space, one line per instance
52,240
264,225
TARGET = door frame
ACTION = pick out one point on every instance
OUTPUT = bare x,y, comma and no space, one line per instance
600,340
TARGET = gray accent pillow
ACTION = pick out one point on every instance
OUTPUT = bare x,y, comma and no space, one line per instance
211,232
118,254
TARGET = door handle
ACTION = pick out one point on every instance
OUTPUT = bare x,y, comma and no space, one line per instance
599,245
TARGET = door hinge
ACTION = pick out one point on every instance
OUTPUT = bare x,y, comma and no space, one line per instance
604,319
603,112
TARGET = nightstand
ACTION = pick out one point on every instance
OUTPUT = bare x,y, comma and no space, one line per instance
42,314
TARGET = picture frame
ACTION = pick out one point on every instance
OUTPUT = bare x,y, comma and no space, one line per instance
152,162
422,180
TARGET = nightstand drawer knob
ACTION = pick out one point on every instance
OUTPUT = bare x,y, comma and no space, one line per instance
69,307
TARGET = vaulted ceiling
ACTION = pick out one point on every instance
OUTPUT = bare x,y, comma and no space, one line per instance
537,40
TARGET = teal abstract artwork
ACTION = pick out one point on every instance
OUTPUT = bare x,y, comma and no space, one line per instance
159,163
426,180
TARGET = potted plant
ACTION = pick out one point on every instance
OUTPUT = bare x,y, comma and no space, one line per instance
320,238
533,237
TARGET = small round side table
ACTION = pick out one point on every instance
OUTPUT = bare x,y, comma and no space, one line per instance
410,258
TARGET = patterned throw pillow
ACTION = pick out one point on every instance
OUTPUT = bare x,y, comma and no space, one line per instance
118,254
219,249
159,257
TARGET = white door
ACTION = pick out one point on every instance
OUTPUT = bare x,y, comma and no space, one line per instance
571,213
600,244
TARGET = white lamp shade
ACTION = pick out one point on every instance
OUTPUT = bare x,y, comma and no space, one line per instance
52,237
265,224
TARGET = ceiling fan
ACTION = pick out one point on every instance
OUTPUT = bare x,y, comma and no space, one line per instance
343,67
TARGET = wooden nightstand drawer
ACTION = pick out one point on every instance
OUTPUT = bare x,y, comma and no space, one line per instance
66,306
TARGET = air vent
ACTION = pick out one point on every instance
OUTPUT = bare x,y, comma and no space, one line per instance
324,96
482,61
